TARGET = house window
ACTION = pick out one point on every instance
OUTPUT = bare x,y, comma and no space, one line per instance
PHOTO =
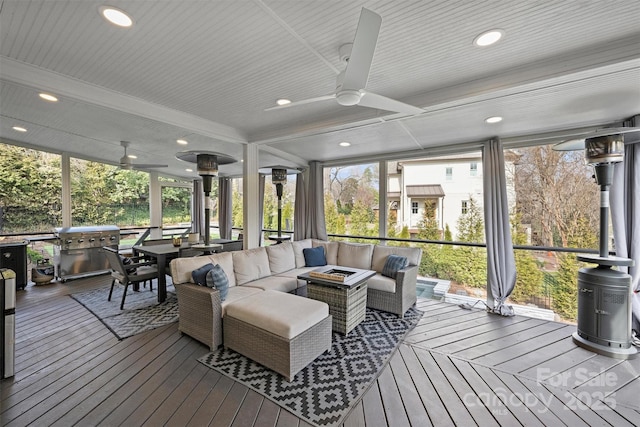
449,174
465,207
414,207
473,169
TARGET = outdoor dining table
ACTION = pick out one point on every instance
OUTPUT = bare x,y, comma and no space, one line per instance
162,254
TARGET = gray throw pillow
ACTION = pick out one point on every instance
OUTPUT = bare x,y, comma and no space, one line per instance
199,275
393,264
217,279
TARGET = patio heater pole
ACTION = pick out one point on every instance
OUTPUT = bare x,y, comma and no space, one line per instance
279,177
207,169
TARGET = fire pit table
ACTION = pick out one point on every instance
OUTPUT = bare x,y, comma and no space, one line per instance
344,289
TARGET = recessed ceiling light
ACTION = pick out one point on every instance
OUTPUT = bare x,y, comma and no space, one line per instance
488,38
283,101
48,97
132,156
116,16
189,170
494,119
182,141
19,129
344,144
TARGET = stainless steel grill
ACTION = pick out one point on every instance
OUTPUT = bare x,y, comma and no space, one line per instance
78,251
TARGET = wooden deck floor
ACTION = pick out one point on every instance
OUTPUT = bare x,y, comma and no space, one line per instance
457,367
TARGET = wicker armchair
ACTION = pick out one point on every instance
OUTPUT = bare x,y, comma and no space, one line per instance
404,296
200,312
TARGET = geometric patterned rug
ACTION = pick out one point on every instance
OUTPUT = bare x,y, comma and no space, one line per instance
141,309
324,392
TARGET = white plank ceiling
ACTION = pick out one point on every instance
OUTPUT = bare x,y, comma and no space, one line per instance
206,70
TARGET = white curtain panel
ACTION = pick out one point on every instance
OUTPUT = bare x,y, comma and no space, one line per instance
261,183
501,265
300,209
225,213
197,217
316,228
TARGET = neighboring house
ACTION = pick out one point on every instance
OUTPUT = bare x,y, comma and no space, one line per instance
443,185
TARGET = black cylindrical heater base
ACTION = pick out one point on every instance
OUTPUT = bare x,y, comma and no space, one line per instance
604,312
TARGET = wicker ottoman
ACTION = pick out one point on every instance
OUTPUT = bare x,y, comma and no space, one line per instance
281,331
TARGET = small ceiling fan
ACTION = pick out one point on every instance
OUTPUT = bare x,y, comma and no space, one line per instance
351,83
125,161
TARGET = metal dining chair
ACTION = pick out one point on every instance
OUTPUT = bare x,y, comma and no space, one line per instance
130,274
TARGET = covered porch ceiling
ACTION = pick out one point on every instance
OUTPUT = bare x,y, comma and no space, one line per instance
206,71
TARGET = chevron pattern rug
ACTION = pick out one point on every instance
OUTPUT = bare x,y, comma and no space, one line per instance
324,392
141,309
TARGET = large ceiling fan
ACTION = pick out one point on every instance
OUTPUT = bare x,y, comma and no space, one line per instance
125,161
351,84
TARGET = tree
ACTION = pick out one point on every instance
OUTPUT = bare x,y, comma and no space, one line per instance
362,221
471,224
555,190
30,189
565,291
428,225
237,209
335,223
447,234
529,278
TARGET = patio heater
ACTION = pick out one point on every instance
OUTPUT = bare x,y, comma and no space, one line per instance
604,294
207,163
279,178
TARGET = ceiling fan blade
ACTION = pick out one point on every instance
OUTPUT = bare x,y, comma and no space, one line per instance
147,166
373,100
364,46
304,101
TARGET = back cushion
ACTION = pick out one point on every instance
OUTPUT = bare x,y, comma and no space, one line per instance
355,255
181,268
226,262
281,257
330,251
381,252
298,246
251,264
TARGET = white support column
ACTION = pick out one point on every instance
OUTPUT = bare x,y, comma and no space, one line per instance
383,205
155,206
66,190
250,182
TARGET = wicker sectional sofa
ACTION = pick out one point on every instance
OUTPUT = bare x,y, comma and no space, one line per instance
275,268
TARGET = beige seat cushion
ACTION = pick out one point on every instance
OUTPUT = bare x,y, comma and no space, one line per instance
237,293
296,272
282,314
355,255
330,250
381,252
274,283
250,264
281,257
382,283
